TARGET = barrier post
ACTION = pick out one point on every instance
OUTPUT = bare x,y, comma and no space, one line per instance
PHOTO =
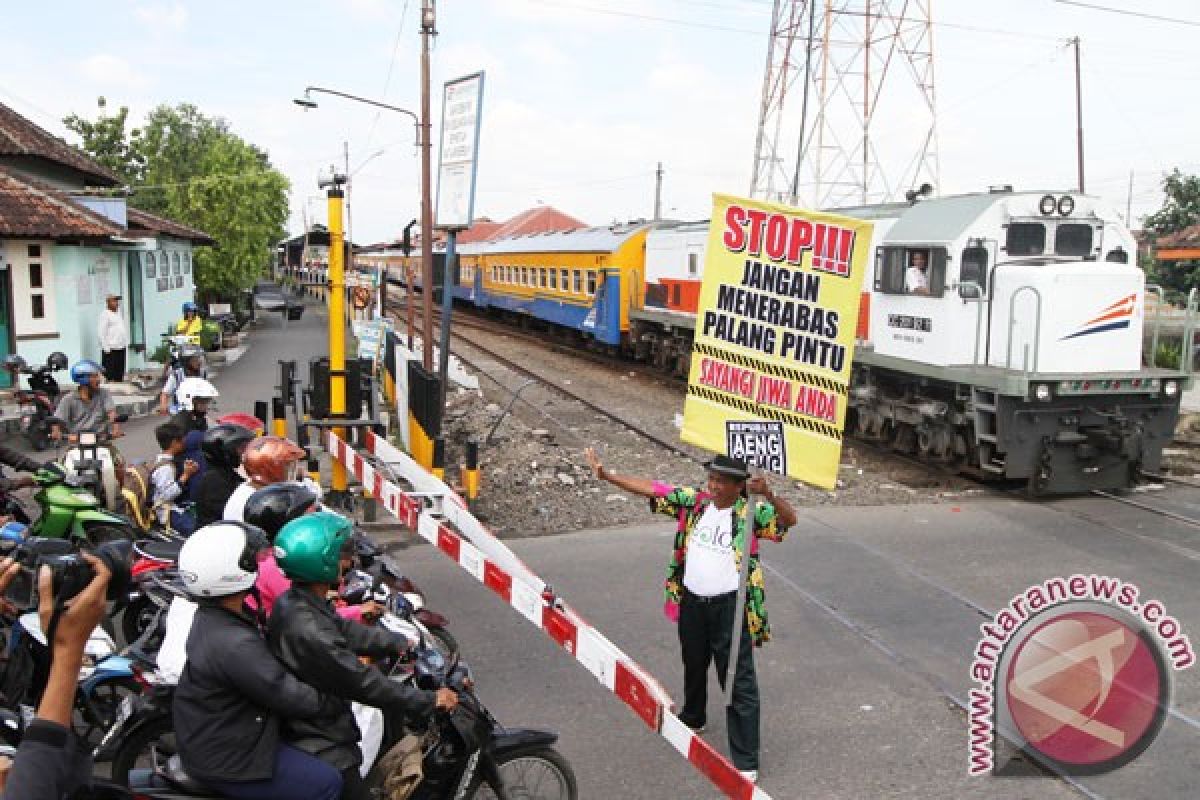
260,411
439,458
278,417
470,471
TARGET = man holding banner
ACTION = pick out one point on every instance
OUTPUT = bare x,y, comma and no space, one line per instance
767,387
702,584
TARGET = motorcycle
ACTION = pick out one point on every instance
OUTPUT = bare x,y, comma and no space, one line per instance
92,459
68,511
150,591
38,403
384,583
465,755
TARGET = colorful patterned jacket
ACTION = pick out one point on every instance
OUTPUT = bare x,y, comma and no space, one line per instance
687,506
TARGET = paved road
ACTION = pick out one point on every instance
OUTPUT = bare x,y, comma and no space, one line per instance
876,613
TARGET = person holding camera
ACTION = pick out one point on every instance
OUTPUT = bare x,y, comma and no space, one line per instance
51,763
10,457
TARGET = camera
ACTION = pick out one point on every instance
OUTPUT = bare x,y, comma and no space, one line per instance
70,572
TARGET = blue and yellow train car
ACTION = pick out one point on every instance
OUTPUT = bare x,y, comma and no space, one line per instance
586,279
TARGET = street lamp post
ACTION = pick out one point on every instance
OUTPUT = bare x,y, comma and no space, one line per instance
423,140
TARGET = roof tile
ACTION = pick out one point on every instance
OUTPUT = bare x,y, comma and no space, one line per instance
21,137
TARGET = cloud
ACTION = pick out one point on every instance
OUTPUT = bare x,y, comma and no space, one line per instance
162,18
111,72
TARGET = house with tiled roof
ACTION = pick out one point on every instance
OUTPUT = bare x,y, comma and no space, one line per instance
67,239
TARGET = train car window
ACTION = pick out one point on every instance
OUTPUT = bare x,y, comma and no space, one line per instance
591,286
973,266
565,281
524,276
677,295
1025,239
693,264
1073,239
553,278
578,282
545,279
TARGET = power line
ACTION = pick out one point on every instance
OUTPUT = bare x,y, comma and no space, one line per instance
387,81
1126,12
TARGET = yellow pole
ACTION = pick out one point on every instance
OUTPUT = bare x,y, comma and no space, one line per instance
337,326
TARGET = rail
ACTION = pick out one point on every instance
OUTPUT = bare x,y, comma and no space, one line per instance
1162,299
1037,329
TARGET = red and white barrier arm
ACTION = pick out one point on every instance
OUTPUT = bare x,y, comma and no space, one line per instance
492,563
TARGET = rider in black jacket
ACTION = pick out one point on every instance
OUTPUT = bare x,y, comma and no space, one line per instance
322,649
233,693
222,447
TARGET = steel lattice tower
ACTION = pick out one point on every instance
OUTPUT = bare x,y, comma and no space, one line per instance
848,114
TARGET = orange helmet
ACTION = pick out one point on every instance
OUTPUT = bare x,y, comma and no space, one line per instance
270,459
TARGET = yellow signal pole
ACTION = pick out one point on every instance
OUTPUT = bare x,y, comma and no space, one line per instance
337,322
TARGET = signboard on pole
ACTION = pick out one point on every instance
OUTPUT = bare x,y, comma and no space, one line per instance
774,340
458,155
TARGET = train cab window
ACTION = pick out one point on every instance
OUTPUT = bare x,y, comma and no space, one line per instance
578,284
1025,239
591,285
911,270
693,264
973,266
1073,239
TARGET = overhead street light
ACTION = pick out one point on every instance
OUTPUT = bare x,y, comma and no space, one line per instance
423,141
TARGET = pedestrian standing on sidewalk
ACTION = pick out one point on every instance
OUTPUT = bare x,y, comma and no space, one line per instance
114,338
702,586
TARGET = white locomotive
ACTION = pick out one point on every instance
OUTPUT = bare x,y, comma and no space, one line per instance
1001,334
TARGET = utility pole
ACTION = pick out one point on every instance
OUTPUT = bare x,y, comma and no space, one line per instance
337,319
349,217
428,30
1078,114
1129,203
658,175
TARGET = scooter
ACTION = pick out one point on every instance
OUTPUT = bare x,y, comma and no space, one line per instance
91,460
38,403
68,511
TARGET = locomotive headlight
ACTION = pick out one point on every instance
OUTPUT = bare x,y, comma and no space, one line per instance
1042,392
1066,204
1047,204
1171,388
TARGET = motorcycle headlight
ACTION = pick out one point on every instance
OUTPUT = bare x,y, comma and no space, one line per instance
1066,204
1171,388
87,439
1042,392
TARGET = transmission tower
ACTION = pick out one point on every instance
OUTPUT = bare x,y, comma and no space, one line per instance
848,114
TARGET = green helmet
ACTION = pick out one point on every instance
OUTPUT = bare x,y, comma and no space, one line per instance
308,548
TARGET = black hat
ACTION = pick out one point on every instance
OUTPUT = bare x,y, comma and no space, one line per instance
733,467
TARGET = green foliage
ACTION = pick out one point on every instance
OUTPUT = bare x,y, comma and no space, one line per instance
193,169
1168,355
107,142
1182,206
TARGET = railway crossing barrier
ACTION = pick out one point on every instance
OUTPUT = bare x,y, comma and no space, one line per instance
439,516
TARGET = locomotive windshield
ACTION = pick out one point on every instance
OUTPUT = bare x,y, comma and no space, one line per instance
1026,239
1073,239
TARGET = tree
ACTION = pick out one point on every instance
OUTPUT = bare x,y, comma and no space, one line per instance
1182,206
106,141
193,169
1180,210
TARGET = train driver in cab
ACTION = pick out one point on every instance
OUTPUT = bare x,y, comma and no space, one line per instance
916,277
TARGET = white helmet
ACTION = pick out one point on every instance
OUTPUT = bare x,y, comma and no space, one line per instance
221,559
192,388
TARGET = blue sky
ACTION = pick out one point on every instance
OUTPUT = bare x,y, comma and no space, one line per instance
583,97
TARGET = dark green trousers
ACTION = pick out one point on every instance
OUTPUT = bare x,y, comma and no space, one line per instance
705,635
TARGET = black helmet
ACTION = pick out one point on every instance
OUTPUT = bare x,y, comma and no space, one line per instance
14,363
222,445
57,361
274,506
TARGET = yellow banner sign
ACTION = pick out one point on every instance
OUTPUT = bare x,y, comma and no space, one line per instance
774,337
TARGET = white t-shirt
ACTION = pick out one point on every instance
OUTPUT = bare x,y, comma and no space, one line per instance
235,506
710,567
915,278
172,656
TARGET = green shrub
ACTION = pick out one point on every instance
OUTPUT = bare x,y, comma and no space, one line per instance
1168,355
